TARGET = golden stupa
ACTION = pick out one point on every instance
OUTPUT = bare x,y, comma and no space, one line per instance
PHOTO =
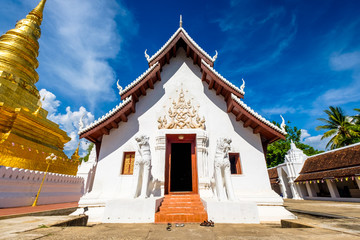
27,137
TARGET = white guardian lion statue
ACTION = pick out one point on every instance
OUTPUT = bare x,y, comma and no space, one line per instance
224,188
142,167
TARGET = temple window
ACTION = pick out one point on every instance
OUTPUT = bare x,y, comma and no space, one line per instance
128,163
235,167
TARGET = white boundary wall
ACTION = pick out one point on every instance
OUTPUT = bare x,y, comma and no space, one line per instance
18,187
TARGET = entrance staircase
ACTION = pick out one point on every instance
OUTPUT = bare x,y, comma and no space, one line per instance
181,209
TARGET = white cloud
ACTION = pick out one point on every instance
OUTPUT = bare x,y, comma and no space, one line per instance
79,38
49,101
69,122
304,134
345,61
314,141
349,92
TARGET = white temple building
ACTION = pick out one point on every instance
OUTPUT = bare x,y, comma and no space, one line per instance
332,176
282,177
182,146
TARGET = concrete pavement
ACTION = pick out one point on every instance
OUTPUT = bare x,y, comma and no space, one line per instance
345,226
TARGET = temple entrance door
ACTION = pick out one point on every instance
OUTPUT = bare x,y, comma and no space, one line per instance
181,170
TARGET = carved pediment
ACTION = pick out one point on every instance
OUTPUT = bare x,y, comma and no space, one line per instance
182,114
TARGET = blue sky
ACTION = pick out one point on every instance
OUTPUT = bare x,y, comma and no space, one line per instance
297,57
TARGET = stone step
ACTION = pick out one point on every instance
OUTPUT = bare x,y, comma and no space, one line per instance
183,200
181,208
182,205
180,217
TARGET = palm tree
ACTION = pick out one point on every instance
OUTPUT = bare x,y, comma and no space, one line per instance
357,117
340,127
356,122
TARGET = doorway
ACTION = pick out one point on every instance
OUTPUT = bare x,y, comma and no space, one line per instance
181,170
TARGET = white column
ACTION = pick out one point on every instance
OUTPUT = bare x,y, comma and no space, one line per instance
357,181
294,190
311,190
332,189
159,166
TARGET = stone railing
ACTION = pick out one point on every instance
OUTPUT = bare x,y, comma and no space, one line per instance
18,187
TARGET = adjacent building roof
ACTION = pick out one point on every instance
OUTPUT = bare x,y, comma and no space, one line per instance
342,162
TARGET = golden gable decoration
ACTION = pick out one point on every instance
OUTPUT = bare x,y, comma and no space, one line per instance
182,115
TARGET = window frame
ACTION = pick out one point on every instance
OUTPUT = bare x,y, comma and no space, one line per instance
131,171
237,163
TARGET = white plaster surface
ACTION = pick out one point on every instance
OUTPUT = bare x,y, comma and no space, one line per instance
252,185
274,213
131,210
231,212
18,187
87,171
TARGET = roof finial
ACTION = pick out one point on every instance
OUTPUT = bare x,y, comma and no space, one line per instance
283,125
146,55
119,87
215,56
242,87
81,123
180,20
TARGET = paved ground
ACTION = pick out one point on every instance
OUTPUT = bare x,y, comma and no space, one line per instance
322,227
189,231
346,209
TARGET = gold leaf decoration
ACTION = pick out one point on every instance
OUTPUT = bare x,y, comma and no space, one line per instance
182,114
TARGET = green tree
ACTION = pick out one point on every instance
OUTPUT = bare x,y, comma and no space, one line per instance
339,127
88,151
276,151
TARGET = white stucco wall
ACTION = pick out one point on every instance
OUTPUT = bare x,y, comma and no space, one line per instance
252,184
18,187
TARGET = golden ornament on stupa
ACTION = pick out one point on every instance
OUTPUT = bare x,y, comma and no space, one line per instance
27,137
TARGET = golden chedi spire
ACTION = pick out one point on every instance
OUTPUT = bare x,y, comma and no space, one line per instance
27,137
75,157
19,49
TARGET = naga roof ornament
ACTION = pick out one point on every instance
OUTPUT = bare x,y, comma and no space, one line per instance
146,55
283,125
119,87
215,56
242,87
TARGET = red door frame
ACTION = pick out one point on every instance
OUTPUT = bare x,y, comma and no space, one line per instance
181,138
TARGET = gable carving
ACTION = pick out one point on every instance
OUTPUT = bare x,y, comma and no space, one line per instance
182,114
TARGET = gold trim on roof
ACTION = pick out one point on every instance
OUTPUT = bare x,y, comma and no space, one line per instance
182,114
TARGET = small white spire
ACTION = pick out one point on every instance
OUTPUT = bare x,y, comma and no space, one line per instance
292,145
146,55
180,20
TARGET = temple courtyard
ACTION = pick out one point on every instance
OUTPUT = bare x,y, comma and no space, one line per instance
316,220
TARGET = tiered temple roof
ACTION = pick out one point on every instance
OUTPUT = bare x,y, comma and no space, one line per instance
232,94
